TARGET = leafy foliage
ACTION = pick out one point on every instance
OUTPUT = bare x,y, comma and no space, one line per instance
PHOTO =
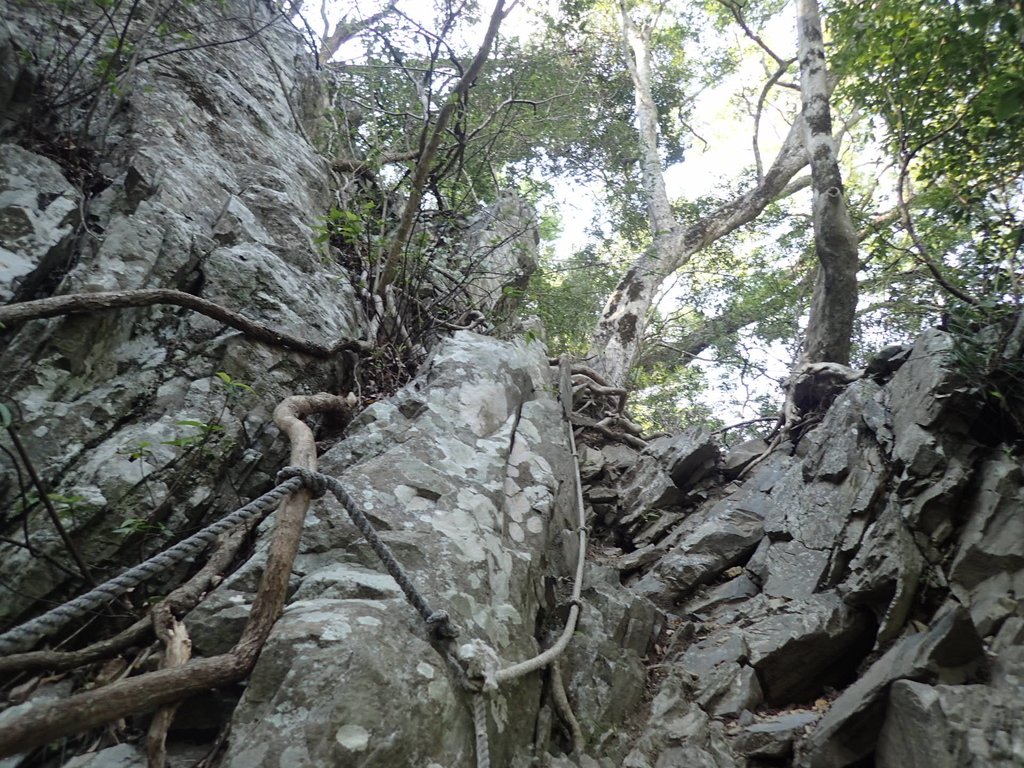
568,296
947,80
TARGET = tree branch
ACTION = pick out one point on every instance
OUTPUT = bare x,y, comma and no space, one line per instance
53,720
79,303
330,43
393,257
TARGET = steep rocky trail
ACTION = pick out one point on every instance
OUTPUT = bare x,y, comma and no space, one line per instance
850,599
845,598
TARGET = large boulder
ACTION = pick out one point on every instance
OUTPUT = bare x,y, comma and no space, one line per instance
462,474
852,581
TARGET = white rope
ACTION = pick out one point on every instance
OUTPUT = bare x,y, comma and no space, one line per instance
556,650
483,749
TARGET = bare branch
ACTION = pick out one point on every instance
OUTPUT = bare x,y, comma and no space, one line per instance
924,254
330,43
79,303
779,72
423,164
177,651
737,13
747,423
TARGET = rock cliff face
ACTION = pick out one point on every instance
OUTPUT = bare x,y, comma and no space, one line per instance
200,177
851,599
839,603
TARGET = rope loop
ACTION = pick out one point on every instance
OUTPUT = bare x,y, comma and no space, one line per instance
315,483
577,602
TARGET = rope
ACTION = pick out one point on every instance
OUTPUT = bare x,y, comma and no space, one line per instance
438,622
483,749
576,603
28,634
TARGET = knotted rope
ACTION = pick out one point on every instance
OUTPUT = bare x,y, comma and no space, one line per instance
438,623
28,634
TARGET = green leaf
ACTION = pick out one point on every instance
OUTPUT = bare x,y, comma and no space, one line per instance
1008,104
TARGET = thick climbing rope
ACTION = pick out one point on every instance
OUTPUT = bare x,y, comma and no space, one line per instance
483,749
290,479
551,655
576,604
28,634
438,622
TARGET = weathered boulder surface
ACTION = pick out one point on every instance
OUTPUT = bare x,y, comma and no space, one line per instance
462,473
203,179
947,726
210,187
38,213
860,582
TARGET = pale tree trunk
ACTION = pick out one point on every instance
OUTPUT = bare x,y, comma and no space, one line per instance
344,30
835,240
615,343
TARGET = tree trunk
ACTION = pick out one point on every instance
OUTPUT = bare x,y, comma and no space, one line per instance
615,343
835,240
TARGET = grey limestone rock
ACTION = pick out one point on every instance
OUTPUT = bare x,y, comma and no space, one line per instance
120,756
886,506
678,732
987,572
665,470
604,665
884,363
719,537
949,651
840,478
793,570
803,645
460,472
950,726
885,572
211,187
772,737
38,216
739,456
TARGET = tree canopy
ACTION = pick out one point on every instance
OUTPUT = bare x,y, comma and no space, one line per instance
925,112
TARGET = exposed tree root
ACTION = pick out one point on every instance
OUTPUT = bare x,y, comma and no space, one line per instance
82,711
614,425
177,651
625,437
582,382
563,707
79,303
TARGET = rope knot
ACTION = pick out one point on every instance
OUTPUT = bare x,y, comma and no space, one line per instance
481,664
440,626
315,483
